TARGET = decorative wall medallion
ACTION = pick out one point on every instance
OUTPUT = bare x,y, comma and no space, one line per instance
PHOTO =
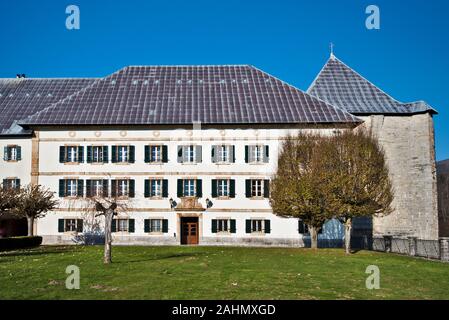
256,132
72,134
98,133
123,133
222,132
156,133
189,133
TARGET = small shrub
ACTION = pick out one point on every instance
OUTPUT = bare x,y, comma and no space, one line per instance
19,243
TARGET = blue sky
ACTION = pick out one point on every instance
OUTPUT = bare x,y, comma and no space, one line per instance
408,56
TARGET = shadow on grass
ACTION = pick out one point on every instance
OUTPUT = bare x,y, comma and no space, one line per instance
157,257
34,252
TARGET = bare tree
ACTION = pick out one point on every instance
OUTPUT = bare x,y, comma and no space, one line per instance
299,187
9,198
34,202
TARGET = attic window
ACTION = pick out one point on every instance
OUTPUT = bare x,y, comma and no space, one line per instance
222,81
245,81
200,81
134,81
178,81
113,82
11,95
49,95
189,81
156,81
145,82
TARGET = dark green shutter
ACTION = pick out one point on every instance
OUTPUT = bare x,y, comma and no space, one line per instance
146,225
212,154
5,153
60,225
214,188
199,188
114,225
267,226
105,188
80,154
179,192
232,188
180,154
5,184
79,225
132,154
61,188
266,154
301,228
19,153
165,154
233,154
233,229
164,225
131,225
105,154
248,226
113,188
214,226
246,154
88,188
147,154
89,154
17,184
61,154
248,188
147,188
165,188
114,154
80,188
266,188
132,185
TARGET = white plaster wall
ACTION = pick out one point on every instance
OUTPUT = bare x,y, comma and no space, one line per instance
16,169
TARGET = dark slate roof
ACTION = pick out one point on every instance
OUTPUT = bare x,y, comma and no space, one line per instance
239,94
341,86
23,97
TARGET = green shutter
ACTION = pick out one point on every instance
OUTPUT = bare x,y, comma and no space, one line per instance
132,185
267,226
17,184
80,188
89,154
246,154
266,188
60,225
147,188
79,225
248,226
301,228
232,154
105,154
165,154
113,188
213,153
61,154
180,158
114,225
80,154
146,227
165,188
131,225
214,188
132,154
19,153
214,226
248,188
105,188
266,154
165,226
114,154
5,153
232,188
5,184
61,188
199,188
179,192
88,188
147,154
233,229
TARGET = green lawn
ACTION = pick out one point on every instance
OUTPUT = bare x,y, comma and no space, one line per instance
217,273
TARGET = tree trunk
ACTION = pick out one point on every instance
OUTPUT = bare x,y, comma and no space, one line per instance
107,258
313,237
348,228
30,221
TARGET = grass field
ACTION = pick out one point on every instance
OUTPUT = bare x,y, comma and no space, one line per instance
217,273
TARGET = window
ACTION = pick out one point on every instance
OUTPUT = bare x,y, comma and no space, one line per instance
123,154
223,225
258,226
189,154
189,188
256,154
71,188
156,154
257,188
223,188
70,225
157,188
223,154
12,153
97,154
122,188
11,183
95,187
156,225
71,154
122,225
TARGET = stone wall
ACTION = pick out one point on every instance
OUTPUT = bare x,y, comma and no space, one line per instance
408,142
443,197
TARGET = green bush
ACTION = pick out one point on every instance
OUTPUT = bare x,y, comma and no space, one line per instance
19,243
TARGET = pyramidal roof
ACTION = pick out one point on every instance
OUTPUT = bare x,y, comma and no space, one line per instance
233,94
23,97
341,86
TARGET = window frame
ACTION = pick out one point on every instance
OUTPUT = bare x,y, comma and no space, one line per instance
71,157
69,194
118,225
257,184
223,187
154,230
100,155
123,153
224,222
255,222
189,185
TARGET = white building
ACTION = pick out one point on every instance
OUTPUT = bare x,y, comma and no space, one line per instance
190,149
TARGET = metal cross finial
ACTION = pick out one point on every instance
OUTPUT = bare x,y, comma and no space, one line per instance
331,46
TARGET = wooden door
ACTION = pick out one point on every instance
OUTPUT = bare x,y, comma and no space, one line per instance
189,232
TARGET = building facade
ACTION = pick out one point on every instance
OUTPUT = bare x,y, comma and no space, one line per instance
443,197
191,150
